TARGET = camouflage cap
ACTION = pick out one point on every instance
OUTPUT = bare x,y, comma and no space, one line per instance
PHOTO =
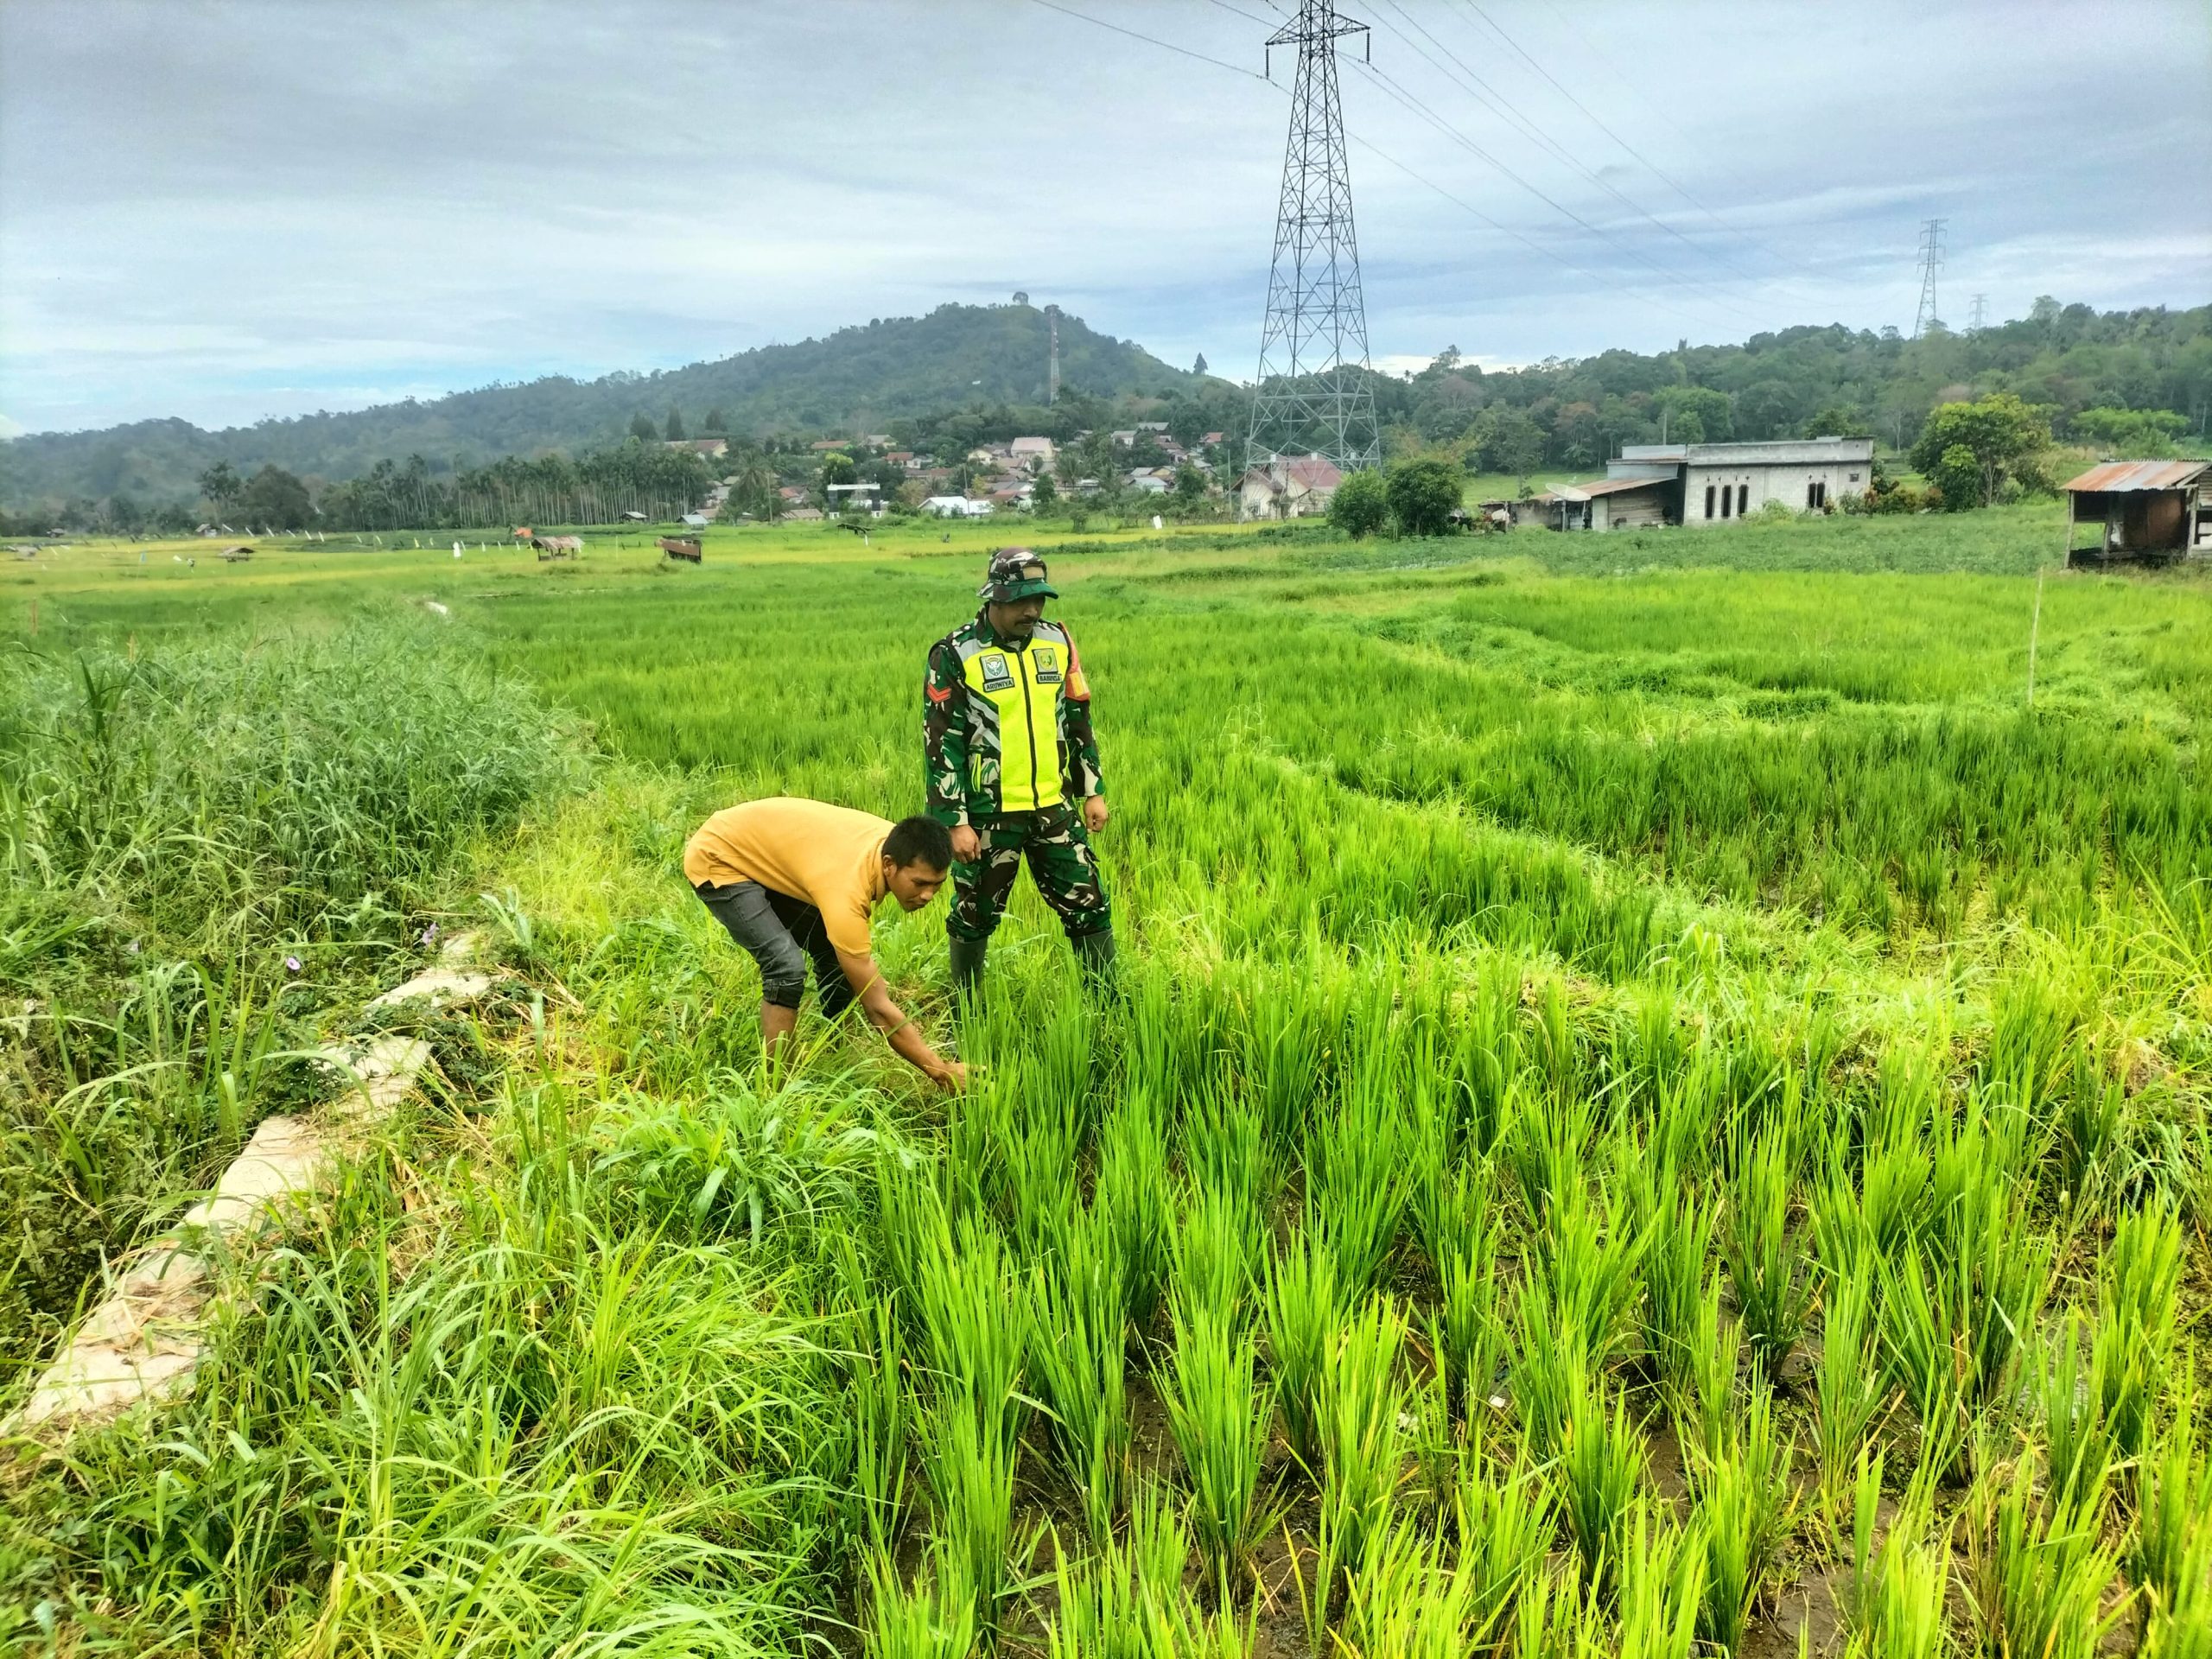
1015,573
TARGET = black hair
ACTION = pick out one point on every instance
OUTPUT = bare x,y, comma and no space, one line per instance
919,839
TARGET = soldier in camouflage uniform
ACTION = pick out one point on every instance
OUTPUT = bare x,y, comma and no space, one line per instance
1013,768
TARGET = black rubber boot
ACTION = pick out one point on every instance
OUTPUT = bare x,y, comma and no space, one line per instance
968,966
1094,959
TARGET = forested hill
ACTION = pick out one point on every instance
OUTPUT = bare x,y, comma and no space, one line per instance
860,376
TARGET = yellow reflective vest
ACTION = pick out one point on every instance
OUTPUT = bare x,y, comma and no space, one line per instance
1015,692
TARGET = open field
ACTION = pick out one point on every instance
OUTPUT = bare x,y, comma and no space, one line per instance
1653,1107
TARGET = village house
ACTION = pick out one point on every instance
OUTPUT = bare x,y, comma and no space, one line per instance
1649,484
1289,487
1032,452
2152,509
713,447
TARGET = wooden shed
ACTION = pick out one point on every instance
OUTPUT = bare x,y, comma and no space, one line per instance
2154,509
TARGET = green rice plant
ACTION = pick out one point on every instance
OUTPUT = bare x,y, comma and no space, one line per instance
1675,1282
2037,1568
1466,1333
1217,1414
1704,1410
926,1620
1602,1464
1586,1272
2064,1382
1356,1185
1454,1207
1849,1389
1895,1607
970,1467
1304,1308
1078,1353
1040,1168
1766,1254
2137,1329
2090,1129
1228,1150
1659,1585
975,1321
1362,1437
1217,1252
1543,1144
2170,1556
1133,1193
1552,1371
1746,1509
1923,1359
883,1416
1506,1521
1403,1600
1117,1604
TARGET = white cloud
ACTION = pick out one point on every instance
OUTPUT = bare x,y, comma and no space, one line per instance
264,207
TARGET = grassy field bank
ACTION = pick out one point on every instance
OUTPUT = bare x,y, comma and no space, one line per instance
1654,1107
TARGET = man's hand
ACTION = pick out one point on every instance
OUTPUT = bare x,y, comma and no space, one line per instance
1093,815
952,1075
967,845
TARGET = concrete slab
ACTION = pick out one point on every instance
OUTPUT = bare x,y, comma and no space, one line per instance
442,988
286,1157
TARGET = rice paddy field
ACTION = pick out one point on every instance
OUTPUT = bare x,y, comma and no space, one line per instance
1653,1106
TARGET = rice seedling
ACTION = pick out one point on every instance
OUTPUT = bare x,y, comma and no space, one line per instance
1079,1346
1849,1389
974,1320
1217,1413
2169,1558
1132,1192
1506,1521
1585,1276
1676,1280
1466,1333
1118,1604
1602,1465
925,1620
1217,1251
1357,1181
1746,1509
1403,1598
1305,1309
1766,1254
1896,1607
883,1413
970,1467
1363,1435
1658,1573
2038,1567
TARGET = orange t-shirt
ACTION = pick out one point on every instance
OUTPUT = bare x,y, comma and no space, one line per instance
830,856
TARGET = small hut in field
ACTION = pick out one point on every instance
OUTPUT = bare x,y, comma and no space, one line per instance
2155,511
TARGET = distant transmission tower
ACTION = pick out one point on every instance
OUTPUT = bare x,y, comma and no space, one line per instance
1931,261
1052,370
1975,315
1310,397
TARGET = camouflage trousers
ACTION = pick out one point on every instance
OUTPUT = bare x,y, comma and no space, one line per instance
1061,863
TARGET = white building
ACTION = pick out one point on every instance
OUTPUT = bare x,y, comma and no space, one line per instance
956,507
1719,482
1031,452
1289,487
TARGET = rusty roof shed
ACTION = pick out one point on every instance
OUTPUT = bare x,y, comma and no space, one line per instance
2157,509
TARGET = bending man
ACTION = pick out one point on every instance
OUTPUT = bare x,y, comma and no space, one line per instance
1009,751
794,880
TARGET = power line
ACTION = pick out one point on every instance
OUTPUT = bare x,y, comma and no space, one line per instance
1151,39
1485,92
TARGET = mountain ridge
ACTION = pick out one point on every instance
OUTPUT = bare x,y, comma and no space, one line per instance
864,374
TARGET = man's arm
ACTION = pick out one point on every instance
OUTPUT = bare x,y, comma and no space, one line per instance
865,977
945,739
1085,776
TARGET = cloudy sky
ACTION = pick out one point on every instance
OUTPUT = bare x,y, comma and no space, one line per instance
228,209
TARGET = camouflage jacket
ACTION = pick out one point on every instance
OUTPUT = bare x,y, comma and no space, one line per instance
979,720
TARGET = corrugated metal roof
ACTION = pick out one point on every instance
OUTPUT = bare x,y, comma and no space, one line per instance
2116,476
1614,485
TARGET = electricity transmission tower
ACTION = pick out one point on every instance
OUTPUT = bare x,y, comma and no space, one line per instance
1310,397
1975,315
1931,261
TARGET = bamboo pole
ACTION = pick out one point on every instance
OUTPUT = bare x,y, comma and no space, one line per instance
2035,622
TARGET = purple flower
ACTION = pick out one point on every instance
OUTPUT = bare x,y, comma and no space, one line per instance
292,964
431,934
